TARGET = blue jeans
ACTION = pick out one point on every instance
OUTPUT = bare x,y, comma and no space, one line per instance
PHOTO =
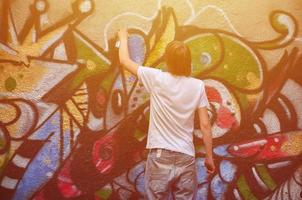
169,171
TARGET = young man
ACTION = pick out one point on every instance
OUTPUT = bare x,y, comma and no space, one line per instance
174,98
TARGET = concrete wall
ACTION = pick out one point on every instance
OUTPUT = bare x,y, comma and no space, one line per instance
73,124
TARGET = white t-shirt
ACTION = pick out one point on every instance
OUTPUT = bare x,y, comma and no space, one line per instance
173,102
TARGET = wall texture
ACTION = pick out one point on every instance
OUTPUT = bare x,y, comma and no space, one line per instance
73,124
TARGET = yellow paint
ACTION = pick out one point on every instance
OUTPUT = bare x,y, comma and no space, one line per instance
66,121
239,77
166,37
30,80
152,41
254,97
90,65
20,53
293,146
253,80
14,130
5,157
7,113
83,98
74,111
2,160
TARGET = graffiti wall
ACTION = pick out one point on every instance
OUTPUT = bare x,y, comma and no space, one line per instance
73,123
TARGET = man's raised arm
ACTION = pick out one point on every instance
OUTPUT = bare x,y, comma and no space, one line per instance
125,60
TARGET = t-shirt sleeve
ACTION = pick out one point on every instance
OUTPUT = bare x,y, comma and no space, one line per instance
146,76
203,101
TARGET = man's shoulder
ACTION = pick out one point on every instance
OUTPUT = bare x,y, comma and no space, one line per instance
196,80
144,72
141,67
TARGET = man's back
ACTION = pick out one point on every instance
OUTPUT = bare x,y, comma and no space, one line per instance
173,102
170,165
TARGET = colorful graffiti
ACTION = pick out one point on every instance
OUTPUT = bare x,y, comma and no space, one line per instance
73,123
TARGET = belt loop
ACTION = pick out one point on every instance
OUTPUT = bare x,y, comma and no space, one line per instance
158,153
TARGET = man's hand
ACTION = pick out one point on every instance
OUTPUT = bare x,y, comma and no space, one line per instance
122,34
209,163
